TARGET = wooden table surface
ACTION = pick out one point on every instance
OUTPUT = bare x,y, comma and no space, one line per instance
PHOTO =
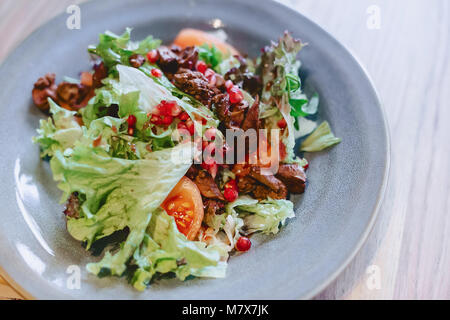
405,47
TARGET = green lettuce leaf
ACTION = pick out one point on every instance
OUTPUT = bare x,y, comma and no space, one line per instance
265,216
282,96
59,132
210,54
116,49
321,138
165,250
118,193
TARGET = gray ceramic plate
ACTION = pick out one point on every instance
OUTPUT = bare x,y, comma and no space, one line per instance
334,216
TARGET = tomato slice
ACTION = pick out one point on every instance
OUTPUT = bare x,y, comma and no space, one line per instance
185,204
194,37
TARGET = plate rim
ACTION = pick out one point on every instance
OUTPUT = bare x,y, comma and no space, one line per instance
386,132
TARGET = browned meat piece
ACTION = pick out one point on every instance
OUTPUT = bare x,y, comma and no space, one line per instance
251,120
72,209
44,88
73,96
252,84
221,105
207,186
195,84
293,176
268,180
241,170
213,207
187,57
246,185
168,60
192,172
231,116
245,79
263,192
100,73
136,60
220,83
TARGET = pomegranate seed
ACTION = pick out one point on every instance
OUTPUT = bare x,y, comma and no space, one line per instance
156,73
131,121
210,134
243,244
236,95
184,116
282,123
155,119
166,120
230,194
172,109
190,126
181,125
201,66
228,85
306,166
152,56
204,144
231,184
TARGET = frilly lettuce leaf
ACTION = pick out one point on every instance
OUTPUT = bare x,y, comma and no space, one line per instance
265,216
281,87
165,250
321,138
59,133
114,49
118,193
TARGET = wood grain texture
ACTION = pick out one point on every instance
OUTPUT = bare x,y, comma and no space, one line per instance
408,60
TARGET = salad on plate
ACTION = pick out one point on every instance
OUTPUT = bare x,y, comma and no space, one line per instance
170,157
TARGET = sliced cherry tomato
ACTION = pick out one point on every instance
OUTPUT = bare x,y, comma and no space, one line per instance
185,204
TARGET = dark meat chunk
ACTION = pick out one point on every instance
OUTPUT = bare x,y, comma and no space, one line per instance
246,185
272,184
221,105
244,78
73,96
188,57
100,73
263,192
44,88
293,176
251,120
168,60
266,179
231,115
195,84
207,186
192,172
252,84
213,207
72,209
136,60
